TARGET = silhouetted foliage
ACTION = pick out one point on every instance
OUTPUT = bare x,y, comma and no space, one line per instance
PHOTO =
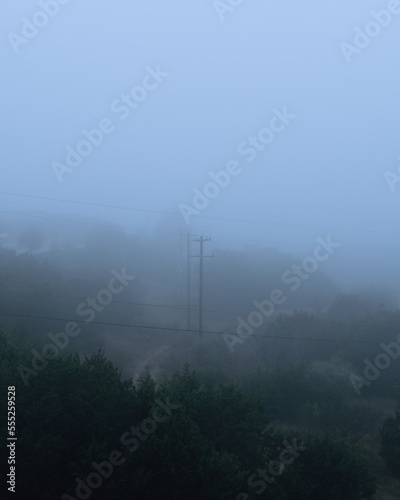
390,446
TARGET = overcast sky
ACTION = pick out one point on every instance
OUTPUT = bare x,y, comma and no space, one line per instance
207,77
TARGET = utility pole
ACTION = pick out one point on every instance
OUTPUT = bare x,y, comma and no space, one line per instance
188,281
180,268
201,240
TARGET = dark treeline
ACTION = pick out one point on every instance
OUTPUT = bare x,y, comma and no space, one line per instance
304,407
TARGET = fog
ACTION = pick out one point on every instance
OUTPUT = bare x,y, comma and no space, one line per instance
261,128
223,73
132,130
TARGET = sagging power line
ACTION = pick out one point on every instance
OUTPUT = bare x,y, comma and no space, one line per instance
183,330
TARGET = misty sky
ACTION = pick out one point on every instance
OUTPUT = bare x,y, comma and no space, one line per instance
217,82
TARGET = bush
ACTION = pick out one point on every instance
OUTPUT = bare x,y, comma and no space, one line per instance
328,468
390,447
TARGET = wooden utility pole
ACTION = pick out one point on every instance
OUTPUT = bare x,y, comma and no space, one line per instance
201,240
180,269
188,281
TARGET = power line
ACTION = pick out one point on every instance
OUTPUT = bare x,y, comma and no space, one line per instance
231,238
48,217
118,207
122,302
184,330
230,219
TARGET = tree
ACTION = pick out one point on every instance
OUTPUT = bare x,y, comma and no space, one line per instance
390,446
